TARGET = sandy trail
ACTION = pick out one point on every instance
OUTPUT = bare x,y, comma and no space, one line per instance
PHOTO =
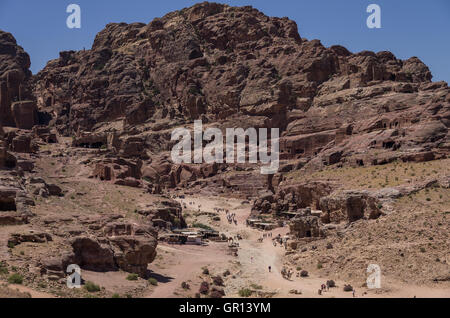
254,258
183,264
33,293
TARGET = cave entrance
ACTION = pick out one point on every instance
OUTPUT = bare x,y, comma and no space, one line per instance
10,164
8,204
94,145
308,233
97,145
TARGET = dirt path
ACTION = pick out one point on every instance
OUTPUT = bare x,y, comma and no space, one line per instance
183,263
33,293
254,258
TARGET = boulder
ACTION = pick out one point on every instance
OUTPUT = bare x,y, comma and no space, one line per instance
24,114
93,255
126,246
306,226
133,253
30,236
22,143
166,210
349,206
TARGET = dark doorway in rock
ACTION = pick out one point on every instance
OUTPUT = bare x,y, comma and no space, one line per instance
97,145
94,145
7,204
10,164
308,233
44,118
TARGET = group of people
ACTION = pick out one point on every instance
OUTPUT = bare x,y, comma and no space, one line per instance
279,240
287,274
326,287
265,235
221,210
323,287
199,206
231,217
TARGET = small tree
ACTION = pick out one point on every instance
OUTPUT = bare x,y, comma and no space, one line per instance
133,277
15,278
153,281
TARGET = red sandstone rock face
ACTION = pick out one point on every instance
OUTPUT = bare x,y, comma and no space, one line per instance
208,61
349,206
127,246
236,66
165,214
16,106
14,203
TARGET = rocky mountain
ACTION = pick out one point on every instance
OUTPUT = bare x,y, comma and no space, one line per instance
98,120
16,109
236,67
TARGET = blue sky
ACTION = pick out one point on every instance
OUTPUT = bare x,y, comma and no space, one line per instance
409,27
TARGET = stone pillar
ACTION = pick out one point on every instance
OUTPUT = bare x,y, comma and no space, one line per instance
2,156
5,106
25,114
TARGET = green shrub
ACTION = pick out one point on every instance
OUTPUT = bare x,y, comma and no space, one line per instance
256,286
115,296
42,285
148,179
3,269
177,222
245,292
202,226
15,278
153,281
91,287
133,277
